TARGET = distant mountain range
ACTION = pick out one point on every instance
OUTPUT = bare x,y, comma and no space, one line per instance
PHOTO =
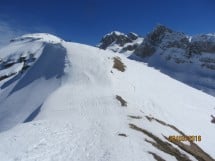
190,59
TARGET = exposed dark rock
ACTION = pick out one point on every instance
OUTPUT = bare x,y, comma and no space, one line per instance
145,49
157,34
6,76
130,47
209,66
192,48
156,156
204,42
213,119
135,117
8,64
122,134
27,60
161,37
193,149
132,36
121,100
118,64
173,53
114,37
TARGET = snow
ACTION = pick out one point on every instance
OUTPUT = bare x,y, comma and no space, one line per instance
74,86
14,69
45,37
120,49
138,41
116,33
42,78
204,38
189,71
134,34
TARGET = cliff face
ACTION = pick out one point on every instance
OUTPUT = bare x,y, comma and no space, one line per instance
120,42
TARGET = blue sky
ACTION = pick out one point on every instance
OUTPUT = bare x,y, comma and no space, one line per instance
86,21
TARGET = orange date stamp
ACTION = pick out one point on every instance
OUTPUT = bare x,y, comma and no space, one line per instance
180,138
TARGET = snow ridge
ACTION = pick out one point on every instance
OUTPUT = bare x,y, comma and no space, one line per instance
36,66
67,105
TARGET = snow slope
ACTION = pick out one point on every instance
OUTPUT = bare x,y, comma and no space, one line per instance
26,91
68,99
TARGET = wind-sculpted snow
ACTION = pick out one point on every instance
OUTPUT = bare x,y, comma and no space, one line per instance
50,65
30,89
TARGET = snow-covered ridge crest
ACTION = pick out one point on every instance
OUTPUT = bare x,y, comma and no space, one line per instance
114,33
35,60
23,52
120,42
45,37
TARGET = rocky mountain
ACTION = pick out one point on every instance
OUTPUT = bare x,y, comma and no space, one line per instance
120,42
190,59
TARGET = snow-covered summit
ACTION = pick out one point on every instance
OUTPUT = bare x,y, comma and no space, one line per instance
25,51
120,42
45,37
114,33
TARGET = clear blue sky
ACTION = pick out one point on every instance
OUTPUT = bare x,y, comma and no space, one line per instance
86,21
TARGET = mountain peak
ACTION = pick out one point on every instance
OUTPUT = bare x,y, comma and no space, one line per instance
115,40
116,33
45,37
132,35
113,37
162,28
